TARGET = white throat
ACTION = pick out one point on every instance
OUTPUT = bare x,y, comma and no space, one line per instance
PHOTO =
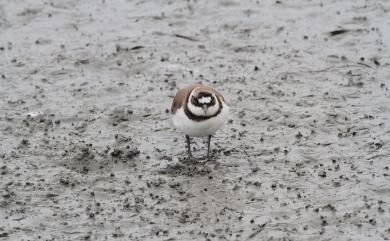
199,111
205,100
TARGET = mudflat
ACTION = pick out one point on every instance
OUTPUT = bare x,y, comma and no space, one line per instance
88,150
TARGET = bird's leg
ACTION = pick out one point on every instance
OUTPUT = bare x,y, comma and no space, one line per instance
208,147
188,146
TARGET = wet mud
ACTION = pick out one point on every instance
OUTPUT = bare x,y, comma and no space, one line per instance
88,151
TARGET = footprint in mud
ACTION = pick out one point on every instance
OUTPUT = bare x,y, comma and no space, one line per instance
190,167
80,158
122,114
197,165
185,170
124,148
84,158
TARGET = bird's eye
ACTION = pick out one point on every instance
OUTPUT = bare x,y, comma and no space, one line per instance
194,101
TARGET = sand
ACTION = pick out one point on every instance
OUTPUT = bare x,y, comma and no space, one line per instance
88,150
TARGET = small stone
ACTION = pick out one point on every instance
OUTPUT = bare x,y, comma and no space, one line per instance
322,173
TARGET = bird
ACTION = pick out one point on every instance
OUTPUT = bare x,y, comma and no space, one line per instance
199,111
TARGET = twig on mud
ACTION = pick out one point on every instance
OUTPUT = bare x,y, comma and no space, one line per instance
137,47
326,69
261,228
335,67
248,48
343,31
377,156
366,65
185,37
337,32
119,48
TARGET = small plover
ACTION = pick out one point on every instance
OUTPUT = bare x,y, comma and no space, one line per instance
199,111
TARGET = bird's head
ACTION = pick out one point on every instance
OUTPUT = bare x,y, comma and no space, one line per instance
203,102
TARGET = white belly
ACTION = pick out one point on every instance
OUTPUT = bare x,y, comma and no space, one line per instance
200,128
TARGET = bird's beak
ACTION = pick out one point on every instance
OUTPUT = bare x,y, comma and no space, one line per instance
204,107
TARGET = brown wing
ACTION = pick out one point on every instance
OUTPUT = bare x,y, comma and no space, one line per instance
181,97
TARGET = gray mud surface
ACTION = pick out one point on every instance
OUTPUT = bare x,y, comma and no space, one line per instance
88,151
